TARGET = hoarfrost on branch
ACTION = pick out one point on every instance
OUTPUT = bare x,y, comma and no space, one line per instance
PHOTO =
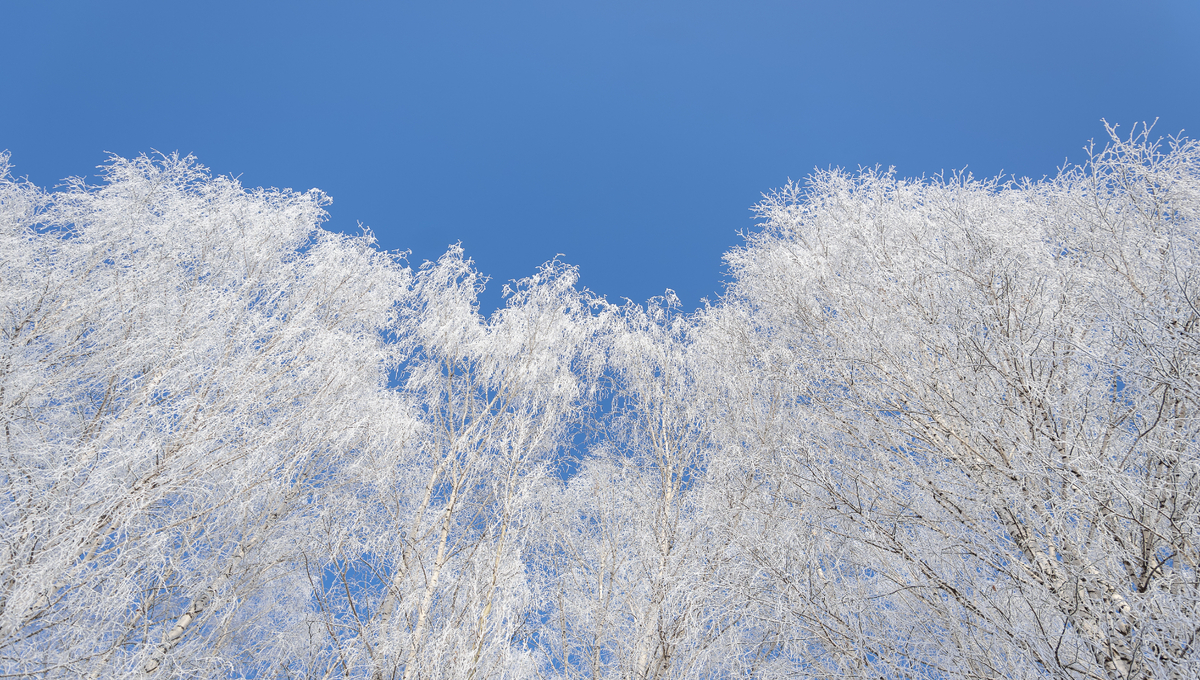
942,428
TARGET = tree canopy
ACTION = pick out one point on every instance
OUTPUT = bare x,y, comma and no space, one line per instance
937,428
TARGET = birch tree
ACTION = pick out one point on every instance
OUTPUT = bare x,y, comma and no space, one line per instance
185,364
447,523
996,386
933,428
637,549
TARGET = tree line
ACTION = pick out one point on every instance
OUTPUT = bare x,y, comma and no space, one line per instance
939,428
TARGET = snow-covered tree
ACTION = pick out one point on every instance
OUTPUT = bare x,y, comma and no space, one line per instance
940,428
439,528
187,368
993,390
628,554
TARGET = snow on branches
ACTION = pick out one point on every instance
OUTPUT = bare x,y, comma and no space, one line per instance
939,429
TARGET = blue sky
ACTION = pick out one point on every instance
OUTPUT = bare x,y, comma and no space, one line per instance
633,137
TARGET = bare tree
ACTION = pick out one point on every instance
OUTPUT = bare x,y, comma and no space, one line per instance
449,518
635,554
995,389
938,428
184,365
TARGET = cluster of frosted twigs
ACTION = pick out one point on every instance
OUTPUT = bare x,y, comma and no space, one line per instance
932,429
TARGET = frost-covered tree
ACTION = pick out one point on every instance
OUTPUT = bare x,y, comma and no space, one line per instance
627,552
435,539
941,428
993,393
187,367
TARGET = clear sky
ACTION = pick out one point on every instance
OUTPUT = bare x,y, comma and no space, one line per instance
633,137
